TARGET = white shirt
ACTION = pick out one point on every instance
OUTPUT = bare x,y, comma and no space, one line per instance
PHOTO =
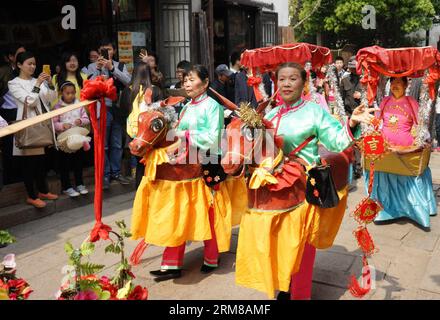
21,89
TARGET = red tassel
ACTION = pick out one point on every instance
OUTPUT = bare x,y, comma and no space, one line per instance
138,252
355,288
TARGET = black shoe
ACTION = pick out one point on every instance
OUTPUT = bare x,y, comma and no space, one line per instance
162,275
106,184
207,269
283,295
122,180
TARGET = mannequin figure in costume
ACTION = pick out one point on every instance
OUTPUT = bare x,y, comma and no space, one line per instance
402,196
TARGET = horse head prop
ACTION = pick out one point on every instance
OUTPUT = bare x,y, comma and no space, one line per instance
154,122
275,182
248,138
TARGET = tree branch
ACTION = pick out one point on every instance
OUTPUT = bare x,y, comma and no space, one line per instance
296,8
317,5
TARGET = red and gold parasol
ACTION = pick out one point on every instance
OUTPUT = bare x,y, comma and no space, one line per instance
374,61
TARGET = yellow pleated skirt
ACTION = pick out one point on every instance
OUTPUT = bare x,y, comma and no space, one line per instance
169,213
237,190
271,243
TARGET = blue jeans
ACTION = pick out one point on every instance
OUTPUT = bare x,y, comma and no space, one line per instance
113,147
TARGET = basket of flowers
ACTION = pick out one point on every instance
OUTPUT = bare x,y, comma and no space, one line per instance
81,280
11,286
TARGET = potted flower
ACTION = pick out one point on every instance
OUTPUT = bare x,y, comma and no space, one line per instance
82,283
12,287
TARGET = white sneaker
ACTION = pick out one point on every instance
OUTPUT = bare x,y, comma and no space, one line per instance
71,193
82,189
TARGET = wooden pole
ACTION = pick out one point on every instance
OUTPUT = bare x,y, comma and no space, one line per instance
23,124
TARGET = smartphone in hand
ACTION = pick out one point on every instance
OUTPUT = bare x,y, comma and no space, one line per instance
46,69
104,53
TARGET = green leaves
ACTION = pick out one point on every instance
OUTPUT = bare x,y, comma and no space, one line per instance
68,247
340,21
113,248
6,237
85,274
87,248
123,227
89,268
89,284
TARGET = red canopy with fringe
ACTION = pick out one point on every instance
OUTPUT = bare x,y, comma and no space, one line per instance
269,58
374,61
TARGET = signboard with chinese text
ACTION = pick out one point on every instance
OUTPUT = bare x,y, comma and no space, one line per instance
125,48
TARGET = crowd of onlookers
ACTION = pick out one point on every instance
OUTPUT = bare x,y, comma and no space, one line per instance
20,86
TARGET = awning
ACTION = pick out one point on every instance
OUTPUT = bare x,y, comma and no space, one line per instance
252,3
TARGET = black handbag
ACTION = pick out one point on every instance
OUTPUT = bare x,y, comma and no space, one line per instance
213,173
320,189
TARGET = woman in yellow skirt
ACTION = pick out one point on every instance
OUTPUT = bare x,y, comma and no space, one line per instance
276,248
176,203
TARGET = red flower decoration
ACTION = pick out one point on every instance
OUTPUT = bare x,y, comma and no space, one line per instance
107,286
18,283
293,173
316,193
86,295
99,88
13,296
254,81
18,289
100,232
209,179
138,293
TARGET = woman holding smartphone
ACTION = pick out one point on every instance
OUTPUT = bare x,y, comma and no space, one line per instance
37,93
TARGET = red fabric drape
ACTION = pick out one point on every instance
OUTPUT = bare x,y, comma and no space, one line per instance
99,89
373,61
268,59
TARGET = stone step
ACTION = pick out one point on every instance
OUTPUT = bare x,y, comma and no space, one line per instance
21,213
13,194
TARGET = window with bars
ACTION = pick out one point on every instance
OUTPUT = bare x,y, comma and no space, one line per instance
174,37
269,24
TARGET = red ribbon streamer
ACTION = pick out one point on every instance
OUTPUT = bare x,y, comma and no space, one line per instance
138,252
93,90
255,83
